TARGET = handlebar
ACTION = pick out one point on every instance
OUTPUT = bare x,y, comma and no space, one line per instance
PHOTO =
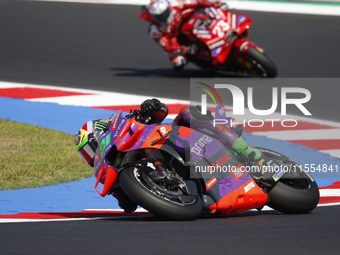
140,116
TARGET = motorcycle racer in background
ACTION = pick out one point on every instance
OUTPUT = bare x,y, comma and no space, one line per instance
165,20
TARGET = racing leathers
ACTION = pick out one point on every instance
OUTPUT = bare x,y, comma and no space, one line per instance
191,116
166,33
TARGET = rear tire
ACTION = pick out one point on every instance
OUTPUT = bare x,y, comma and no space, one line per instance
261,64
291,200
136,184
296,192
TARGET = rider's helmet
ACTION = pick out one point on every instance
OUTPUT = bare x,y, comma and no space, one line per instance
160,10
86,143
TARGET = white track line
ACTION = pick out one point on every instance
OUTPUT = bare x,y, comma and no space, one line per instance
262,6
333,153
301,134
107,99
329,192
265,208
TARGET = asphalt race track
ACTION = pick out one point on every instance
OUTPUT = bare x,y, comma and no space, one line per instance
106,47
247,233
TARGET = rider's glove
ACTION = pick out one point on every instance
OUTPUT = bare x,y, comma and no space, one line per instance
154,111
151,105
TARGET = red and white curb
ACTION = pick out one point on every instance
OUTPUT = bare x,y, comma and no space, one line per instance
329,196
313,133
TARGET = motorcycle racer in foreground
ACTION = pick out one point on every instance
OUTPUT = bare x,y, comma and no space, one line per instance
154,112
165,19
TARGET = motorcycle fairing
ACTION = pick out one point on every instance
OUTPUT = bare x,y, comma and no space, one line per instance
229,194
231,188
248,196
124,135
219,36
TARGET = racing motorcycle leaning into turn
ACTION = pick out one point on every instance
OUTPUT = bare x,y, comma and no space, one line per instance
178,173
220,41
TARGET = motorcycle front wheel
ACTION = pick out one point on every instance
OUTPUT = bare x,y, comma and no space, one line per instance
165,201
260,64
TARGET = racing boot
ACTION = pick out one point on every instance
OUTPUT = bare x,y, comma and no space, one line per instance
266,167
253,154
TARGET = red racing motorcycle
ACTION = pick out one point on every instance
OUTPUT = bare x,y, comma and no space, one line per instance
220,37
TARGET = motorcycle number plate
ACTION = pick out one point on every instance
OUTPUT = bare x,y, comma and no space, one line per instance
220,28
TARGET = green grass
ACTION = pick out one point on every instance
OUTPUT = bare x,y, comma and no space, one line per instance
33,156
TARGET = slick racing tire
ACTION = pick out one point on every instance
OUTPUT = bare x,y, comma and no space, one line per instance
261,64
161,202
296,192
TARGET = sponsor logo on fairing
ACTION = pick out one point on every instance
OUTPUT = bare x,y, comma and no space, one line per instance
115,121
240,19
216,52
233,21
211,182
222,160
199,146
200,31
215,45
119,127
204,36
216,39
249,186
220,12
213,10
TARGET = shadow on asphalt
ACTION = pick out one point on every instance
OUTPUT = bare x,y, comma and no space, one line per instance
168,72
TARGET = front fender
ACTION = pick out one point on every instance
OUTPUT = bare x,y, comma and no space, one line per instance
110,178
243,44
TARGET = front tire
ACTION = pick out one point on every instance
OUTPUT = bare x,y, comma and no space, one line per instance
156,199
260,63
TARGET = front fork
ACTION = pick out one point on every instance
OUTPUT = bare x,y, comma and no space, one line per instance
158,172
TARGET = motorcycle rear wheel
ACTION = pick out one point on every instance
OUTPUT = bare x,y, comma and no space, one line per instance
156,199
261,64
296,192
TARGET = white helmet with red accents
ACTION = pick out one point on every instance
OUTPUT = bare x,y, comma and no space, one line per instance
160,10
